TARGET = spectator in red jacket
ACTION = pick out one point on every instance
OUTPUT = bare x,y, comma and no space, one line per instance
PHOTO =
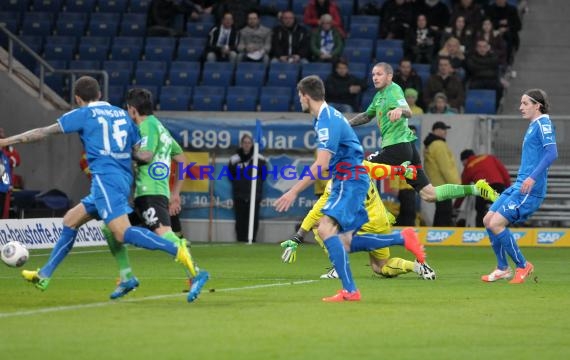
317,8
9,158
484,166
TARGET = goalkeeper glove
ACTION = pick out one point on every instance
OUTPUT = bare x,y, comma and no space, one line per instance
290,253
408,171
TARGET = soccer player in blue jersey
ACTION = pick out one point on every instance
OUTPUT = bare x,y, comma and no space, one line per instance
339,150
111,141
524,197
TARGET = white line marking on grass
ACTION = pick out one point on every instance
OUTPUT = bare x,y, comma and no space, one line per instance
156,297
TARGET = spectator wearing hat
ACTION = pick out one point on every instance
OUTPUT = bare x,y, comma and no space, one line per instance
411,98
440,167
439,105
483,166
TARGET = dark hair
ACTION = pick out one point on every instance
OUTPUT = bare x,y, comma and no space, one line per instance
313,86
141,100
387,67
245,136
465,154
87,88
538,96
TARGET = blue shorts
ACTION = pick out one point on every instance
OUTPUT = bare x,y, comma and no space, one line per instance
346,203
108,199
515,206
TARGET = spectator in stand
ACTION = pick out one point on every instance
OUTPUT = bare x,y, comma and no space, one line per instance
240,10
314,11
223,41
407,78
419,45
496,41
484,166
459,31
254,40
326,41
436,12
396,19
447,82
162,14
483,69
506,19
290,41
440,167
453,50
9,159
470,11
440,105
411,96
343,89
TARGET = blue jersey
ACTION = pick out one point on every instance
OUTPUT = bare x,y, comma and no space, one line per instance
335,135
540,133
108,135
5,175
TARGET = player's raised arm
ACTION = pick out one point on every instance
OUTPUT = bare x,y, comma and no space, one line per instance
32,135
361,119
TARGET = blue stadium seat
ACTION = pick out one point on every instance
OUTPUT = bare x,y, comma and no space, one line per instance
199,29
35,43
133,25
217,73
140,6
152,73
367,97
389,54
362,30
127,48
274,98
276,4
296,103
37,23
71,24
358,54
423,71
184,73
346,7
120,72
11,21
242,98
190,49
175,98
15,5
269,21
83,6
60,48
104,24
56,81
298,6
116,95
84,65
359,69
94,48
283,74
159,48
53,6
322,70
112,6
250,74
393,43
480,101
208,98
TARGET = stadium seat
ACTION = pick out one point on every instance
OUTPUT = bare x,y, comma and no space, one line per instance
112,6
362,30
84,65
279,5
59,48
389,54
480,101
159,48
11,21
359,69
80,6
15,5
56,81
296,103
346,7
37,23
120,72
217,73
283,74
116,95
367,97
358,54
35,43
298,6
71,24
52,6
274,98
184,73
104,24
208,98
175,98
393,43
190,49
250,74
94,48
322,70
127,48
133,25
199,29
269,21
151,73
242,98
140,6
423,71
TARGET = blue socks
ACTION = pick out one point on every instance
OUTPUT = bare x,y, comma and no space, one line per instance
511,247
339,259
144,238
59,252
500,253
369,242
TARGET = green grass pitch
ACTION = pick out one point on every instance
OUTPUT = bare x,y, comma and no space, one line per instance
255,307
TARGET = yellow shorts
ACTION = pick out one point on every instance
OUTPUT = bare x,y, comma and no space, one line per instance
381,254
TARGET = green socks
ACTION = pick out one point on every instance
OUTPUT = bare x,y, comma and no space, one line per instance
120,253
453,191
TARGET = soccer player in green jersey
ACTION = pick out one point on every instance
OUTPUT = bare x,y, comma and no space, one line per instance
152,192
391,110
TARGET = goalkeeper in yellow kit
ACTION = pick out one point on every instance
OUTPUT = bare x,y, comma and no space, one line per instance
380,222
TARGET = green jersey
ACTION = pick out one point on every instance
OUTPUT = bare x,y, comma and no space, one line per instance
156,139
389,98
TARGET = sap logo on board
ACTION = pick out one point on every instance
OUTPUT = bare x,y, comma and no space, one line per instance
517,235
472,237
437,236
549,237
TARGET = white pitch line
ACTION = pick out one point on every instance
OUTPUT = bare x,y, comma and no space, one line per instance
156,297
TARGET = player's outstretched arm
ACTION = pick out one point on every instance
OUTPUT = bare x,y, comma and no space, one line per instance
360,119
32,135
